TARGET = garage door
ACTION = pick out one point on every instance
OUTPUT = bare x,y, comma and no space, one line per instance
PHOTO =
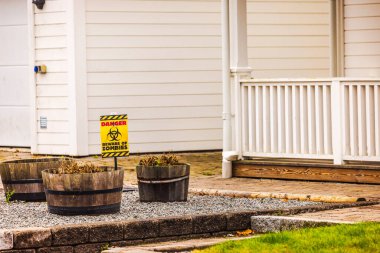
14,88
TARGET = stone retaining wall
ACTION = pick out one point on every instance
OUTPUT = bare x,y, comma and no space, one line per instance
91,238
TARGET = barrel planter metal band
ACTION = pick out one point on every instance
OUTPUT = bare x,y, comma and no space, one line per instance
163,183
23,181
23,177
29,197
84,194
87,210
167,181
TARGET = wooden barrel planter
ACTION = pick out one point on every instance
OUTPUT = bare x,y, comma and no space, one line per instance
86,193
24,179
163,183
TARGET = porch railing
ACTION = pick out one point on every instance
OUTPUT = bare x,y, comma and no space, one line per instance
336,119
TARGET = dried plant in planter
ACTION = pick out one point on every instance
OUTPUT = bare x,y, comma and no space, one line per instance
162,179
77,167
162,160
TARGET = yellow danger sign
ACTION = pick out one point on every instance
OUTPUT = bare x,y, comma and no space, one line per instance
114,135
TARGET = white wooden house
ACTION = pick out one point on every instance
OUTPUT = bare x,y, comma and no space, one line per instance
161,63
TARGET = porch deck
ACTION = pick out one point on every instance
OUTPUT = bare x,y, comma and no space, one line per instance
308,169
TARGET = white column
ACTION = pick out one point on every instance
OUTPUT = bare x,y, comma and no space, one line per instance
333,39
238,24
227,130
77,77
239,62
239,67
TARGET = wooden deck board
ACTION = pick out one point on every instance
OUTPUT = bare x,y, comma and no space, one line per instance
307,170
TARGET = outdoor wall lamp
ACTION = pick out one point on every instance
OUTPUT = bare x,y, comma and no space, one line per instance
39,3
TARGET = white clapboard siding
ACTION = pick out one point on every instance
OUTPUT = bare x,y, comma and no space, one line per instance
51,88
114,90
173,112
288,38
147,65
158,30
14,86
159,62
362,38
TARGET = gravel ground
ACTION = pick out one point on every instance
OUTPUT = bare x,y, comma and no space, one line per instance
20,214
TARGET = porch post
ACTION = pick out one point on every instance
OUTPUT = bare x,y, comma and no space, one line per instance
239,68
227,129
239,48
239,64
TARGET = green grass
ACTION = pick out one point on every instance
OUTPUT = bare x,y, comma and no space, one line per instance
363,237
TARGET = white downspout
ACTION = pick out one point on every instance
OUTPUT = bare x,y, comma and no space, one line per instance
32,79
227,131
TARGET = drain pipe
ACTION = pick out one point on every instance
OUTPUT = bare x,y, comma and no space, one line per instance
227,130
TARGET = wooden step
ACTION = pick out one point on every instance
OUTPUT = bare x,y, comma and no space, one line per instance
310,170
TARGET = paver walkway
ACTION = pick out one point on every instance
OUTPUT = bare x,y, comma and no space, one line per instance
370,192
356,214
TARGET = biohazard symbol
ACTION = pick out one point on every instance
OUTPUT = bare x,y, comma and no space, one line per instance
114,134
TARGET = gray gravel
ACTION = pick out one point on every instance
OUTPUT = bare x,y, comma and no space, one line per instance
21,214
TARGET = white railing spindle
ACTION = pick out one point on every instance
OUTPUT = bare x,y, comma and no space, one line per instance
259,119
377,118
361,121
281,118
353,120
370,120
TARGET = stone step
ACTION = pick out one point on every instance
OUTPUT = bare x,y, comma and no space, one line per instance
267,224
